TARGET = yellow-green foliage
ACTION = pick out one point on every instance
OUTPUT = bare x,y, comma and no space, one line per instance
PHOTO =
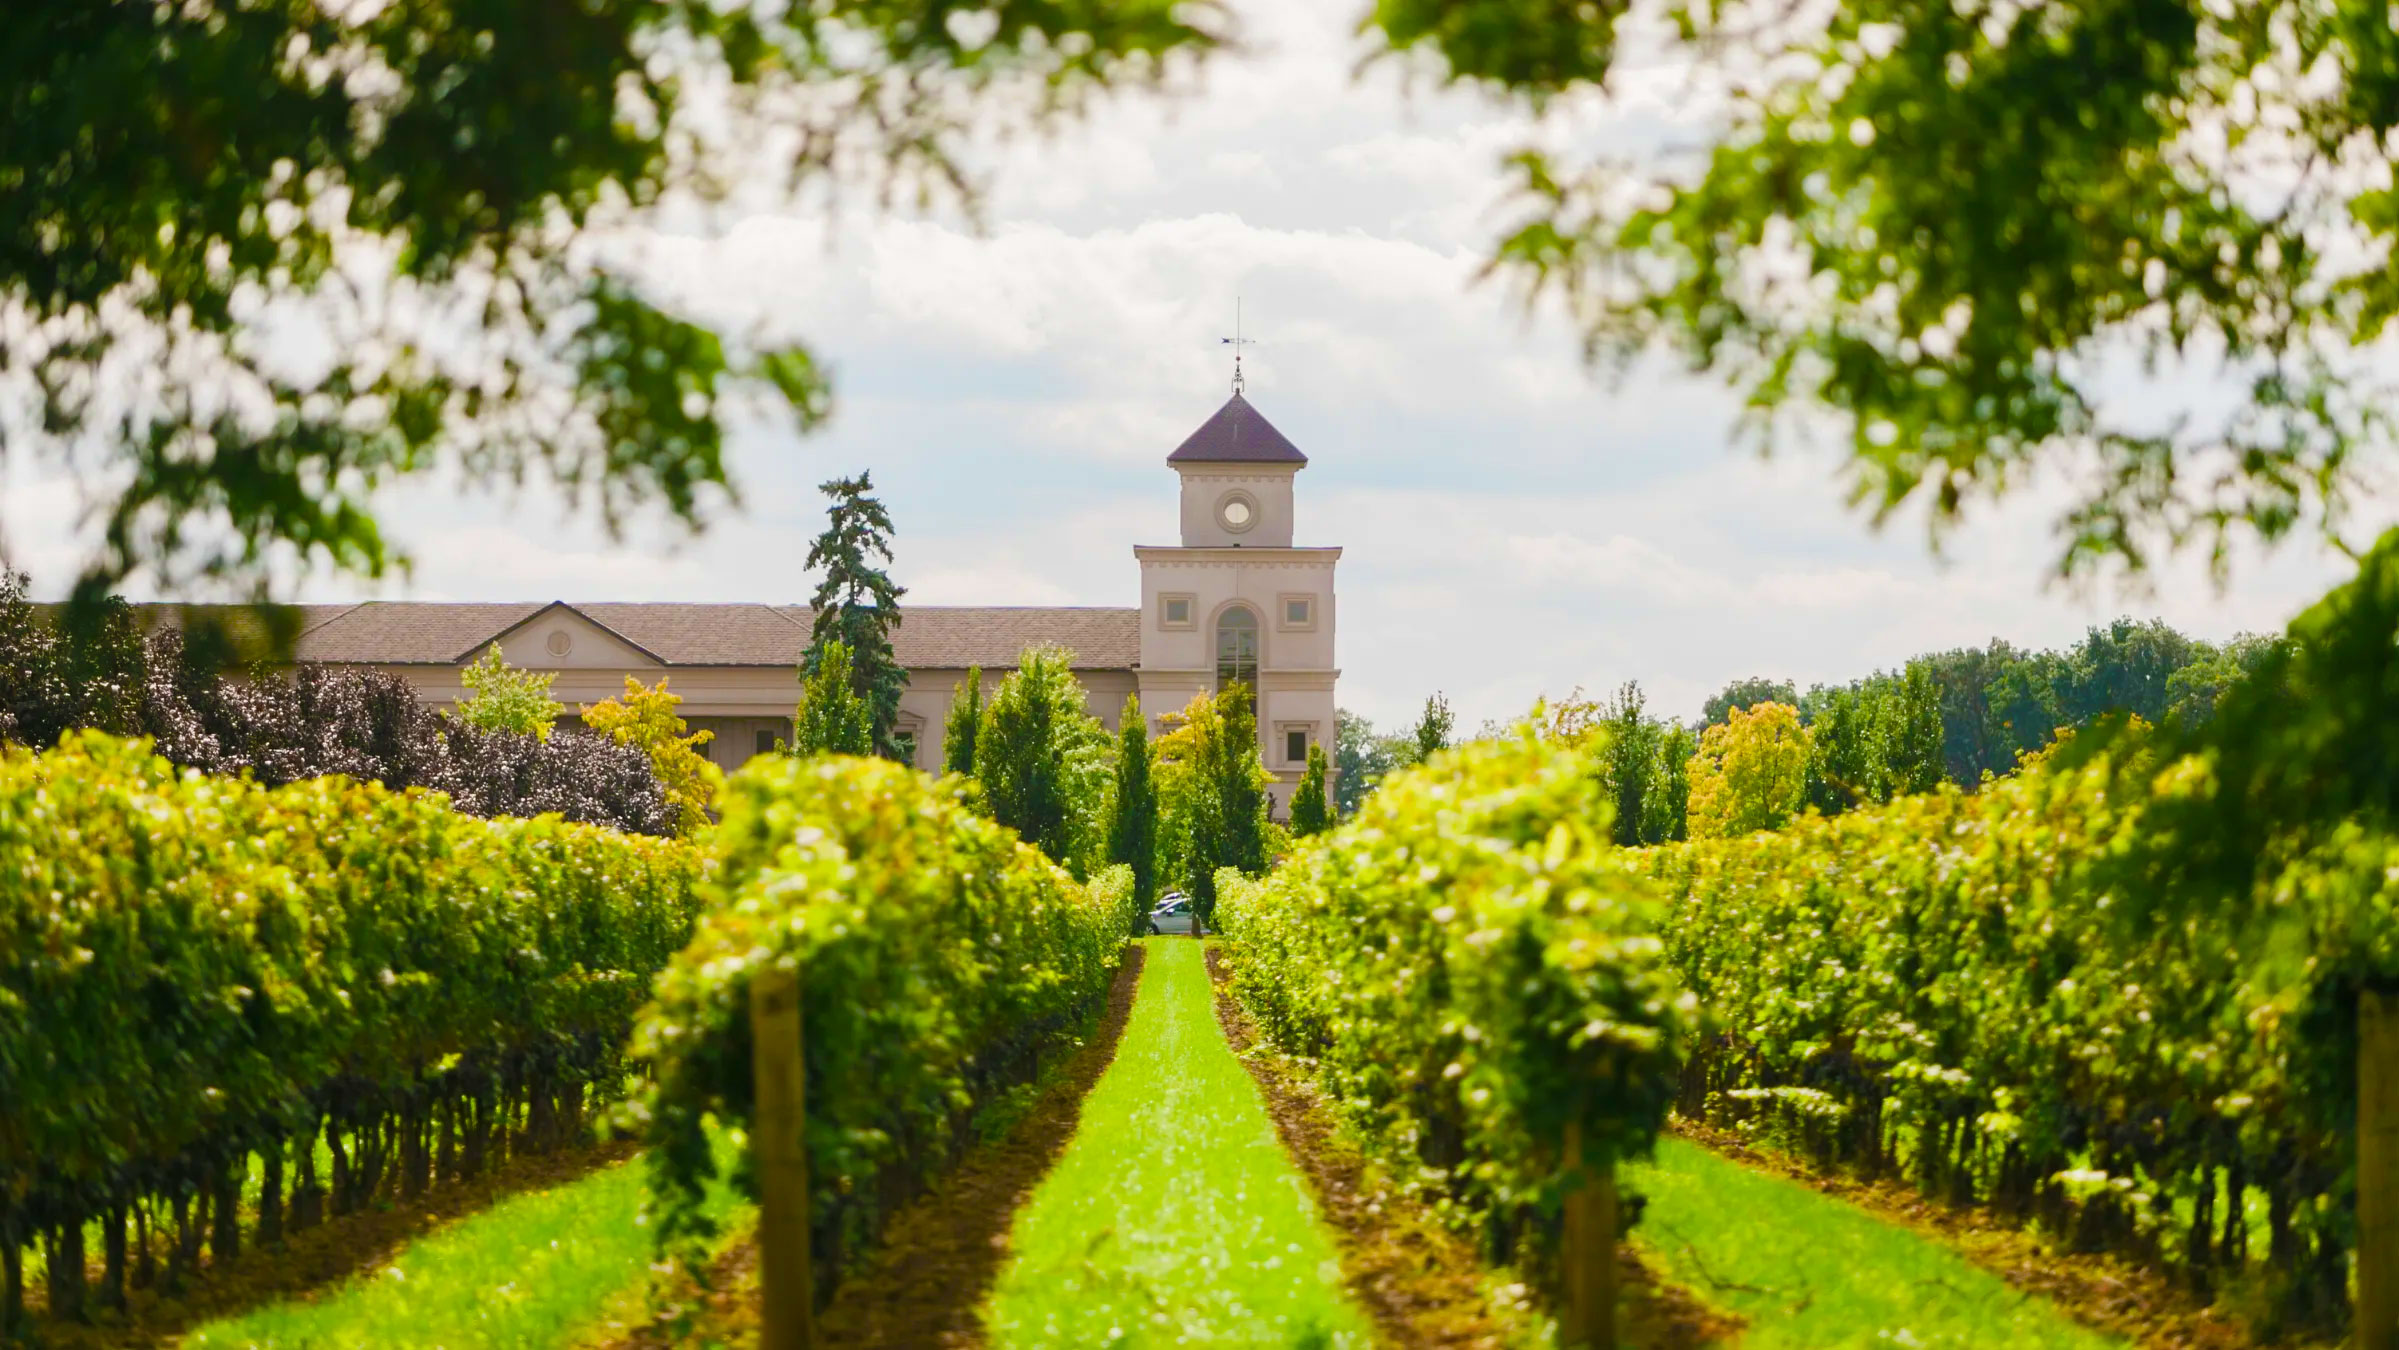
645,718
1113,890
1944,988
1474,967
1751,772
940,958
192,968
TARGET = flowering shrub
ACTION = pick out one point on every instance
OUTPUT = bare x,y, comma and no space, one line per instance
195,970
1475,970
940,958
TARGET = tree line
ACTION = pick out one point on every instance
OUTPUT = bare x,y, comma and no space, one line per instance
1762,750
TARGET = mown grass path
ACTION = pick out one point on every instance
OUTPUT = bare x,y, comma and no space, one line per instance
1810,1270
537,1269
1175,1218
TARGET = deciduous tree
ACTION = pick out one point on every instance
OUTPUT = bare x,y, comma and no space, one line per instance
831,718
427,191
1751,773
1213,789
645,718
501,697
1043,760
1433,728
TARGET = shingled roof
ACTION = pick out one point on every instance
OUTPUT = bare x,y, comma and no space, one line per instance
930,637
1237,434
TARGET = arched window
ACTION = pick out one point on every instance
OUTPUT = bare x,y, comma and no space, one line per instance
1236,648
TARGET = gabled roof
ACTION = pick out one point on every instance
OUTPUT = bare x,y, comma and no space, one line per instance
1237,434
401,632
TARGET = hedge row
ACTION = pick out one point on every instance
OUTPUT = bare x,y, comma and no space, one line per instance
198,970
940,959
1476,972
283,726
1942,989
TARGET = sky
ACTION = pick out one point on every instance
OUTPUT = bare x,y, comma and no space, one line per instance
1515,523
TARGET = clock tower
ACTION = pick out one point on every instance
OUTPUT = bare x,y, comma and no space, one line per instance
1237,599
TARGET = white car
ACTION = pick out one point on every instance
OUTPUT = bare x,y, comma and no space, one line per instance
1173,915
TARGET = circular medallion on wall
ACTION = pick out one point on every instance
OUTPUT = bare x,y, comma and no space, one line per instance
560,643
1237,511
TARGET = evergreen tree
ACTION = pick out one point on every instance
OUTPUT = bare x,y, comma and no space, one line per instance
832,719
966,717
1310,813
1133,824
858,605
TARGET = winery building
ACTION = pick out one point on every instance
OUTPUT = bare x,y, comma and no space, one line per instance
1235,599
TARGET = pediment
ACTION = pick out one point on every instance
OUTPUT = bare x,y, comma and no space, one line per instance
561,637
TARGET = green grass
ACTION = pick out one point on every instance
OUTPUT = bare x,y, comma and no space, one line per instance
532,1270
1174,1218
1810,1270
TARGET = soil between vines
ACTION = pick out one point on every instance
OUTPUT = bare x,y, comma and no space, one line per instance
939,1258
1422,1284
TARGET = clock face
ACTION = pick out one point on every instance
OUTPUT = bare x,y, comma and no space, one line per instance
1237,512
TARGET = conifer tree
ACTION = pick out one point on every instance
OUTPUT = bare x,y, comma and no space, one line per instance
832,719
1310,812
858,605
1133,824
966,717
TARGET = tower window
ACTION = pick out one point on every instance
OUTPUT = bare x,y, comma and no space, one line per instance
1174,611
1237,511
1299,612
1295,745
1237,648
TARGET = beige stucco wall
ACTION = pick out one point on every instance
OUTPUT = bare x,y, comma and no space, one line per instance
740,703
1205,487
1296,667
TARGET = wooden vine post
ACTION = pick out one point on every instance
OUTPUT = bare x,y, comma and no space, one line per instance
1588,1250
786,1284
2377,1170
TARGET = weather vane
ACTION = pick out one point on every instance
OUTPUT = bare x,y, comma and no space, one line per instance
1237,342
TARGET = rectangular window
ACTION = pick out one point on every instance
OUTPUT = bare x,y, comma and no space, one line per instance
1174,611
766,742
1295,746
1298,612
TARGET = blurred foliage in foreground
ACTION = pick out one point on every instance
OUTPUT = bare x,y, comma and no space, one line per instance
262,258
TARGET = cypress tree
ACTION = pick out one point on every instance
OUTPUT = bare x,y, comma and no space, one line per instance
1133,826
966,718
1310,812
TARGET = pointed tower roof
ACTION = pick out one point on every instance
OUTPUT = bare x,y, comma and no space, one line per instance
1237,434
